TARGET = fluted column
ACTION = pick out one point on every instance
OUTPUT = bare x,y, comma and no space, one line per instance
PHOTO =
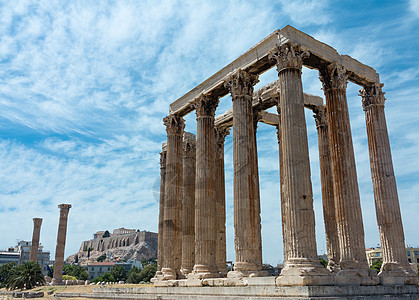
205,206
188,203
395,268
33,256
59,250
329,212
246,215
172,229
353,261
302,266
161,248
281,186
220,134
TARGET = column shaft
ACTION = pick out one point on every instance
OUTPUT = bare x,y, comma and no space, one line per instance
61,237
172,232
160,249
221,255
33,256
205,207
246,215
389,219
329,212
188,204
302,266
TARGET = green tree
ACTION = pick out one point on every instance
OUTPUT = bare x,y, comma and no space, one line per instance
107,277
26,275
134,275
101,258
323,262
119,272
377,265
147,273
88,251
77,271
106,234
69,277
5,271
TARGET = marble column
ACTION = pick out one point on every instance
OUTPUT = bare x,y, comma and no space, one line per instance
246,215
59,250
395,268
205,207
281,186
160,249
353,263
172,229
302,266
221,255
188,203
329,212
33,256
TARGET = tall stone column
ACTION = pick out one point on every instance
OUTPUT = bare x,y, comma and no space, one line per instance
59,250
246,215
172,229
395,268
188,203
33,256
281,186
221,255
302,266
329,212
205,205
353,263
161,248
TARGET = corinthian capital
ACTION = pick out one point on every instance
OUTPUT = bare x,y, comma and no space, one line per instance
372,95
174,124
333,77
206,105
220,134
320,116
189,144
163,156
288,56
241,84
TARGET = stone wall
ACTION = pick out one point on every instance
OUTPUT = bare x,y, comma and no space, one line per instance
102,244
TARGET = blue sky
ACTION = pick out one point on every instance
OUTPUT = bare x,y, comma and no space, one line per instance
84,86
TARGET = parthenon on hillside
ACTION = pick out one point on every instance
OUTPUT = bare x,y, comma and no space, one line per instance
191,237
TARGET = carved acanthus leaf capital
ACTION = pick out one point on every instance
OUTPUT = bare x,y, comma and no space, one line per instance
333,77
320,116
163,156
220,134
241,84
206,105
174,124
288,56
372,95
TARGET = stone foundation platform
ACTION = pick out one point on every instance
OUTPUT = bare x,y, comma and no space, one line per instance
252,292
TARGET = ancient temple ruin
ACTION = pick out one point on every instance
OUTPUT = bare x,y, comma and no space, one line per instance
192,250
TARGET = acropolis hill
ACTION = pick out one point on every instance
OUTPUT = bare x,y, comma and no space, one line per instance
122,243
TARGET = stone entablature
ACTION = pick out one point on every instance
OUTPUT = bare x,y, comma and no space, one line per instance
115,241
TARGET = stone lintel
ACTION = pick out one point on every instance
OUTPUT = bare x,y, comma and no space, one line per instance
256,61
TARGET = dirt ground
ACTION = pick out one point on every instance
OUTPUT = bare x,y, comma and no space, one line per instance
69,289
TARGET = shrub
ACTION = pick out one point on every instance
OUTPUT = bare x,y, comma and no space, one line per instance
68,277
26,275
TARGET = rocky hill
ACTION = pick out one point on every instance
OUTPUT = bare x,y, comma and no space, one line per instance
141,245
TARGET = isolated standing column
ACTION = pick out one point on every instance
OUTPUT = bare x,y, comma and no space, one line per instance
61,237
33,256
160,249
172,232
395,268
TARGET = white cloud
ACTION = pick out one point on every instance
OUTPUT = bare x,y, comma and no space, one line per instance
414,7
307,12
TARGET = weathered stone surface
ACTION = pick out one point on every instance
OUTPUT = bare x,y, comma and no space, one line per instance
160,249
37,222
59,250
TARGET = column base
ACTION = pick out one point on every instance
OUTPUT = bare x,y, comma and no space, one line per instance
185,272
168,274
56,282
356,273
304,272
333,267
397,274
204,271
